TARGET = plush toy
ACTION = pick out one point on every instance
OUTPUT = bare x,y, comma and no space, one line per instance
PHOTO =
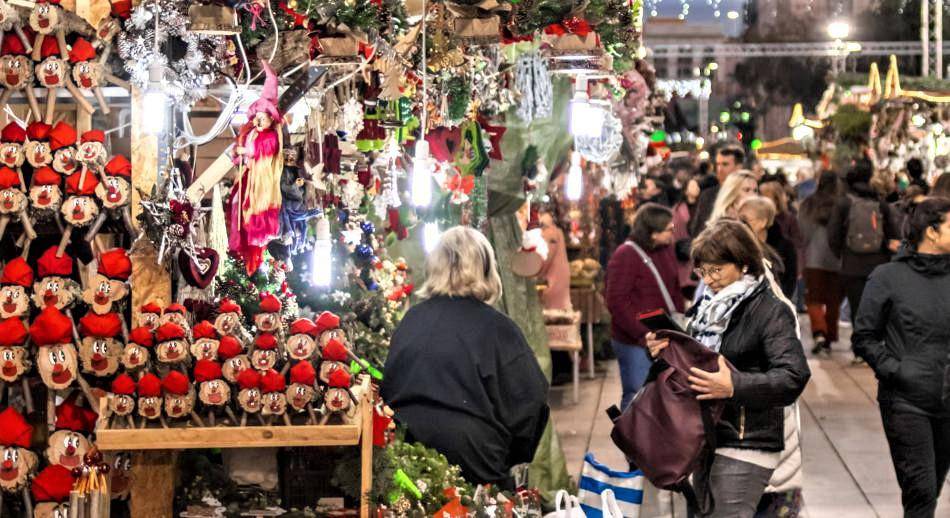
213,391
135,355
179,397
36,149
338,399
229,320
205,341
150,315
14,356
16,279
175,314
100,350
56,359
12,138
62,143
249,396
302,343
274,402
80,207
46,196
302,390
70,442
13,203
54,285
172,344
110,284
53,74
47,21
149,403
18,462
122,403
16,73
264,355
50,489
268,320
115,195
231,352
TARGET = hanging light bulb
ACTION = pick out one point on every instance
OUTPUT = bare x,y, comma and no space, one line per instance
154,102
587,120
322,258
430,236
421,176
575,179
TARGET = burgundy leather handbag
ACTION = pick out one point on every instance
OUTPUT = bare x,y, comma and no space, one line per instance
666,432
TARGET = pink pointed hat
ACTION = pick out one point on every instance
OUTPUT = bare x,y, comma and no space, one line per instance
267,102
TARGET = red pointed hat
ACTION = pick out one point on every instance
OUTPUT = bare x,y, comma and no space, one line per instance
17,272
335,351
119,166
123,385
270,304
228,306
51,327
204,329
327,321
176,308
38,131
169,331
12,46
70,416
82,51
61,135
207,370
53,484
141,336
122,8
13,132
8,178
49,48
265,341
100,326
88,188
303,373
151,307
93,136
272,381
150,386
46,176
115,264
175,383
339,379
229,347
249,379
49,265
303,326
14,430
12,332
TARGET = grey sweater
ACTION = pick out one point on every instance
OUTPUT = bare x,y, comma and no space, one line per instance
818,255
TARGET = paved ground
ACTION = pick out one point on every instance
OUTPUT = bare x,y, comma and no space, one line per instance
848,471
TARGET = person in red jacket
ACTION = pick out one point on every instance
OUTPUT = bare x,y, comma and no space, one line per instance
632,288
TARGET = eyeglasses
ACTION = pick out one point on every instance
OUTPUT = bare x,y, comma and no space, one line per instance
713,272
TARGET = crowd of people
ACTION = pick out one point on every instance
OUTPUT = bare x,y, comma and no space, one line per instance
744,253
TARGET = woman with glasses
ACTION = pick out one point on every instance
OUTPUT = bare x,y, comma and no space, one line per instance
633,288
741,317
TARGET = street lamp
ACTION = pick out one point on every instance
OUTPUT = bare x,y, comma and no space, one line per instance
839,29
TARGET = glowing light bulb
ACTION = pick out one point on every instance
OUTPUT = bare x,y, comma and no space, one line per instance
154,102
575,179
322,258
421,176
430,236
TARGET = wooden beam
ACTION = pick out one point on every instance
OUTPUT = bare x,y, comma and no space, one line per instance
228,437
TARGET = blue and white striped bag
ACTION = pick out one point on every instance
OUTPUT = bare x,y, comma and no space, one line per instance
627,488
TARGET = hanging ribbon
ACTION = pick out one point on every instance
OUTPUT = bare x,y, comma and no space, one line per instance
255,8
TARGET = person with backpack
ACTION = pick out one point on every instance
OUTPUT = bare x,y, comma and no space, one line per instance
741,318
862,231
903,334
641,276
823,292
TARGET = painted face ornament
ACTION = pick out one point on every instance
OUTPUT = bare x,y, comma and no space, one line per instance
172,344
54,287
136,353
123,395
16,73
150,315
80,207
302,390
205,341
212,390
17,277
274,401
268,320
249,395
13,202
175,314
335,357
264,356
121,475
17,462
69,443
99,350
46,20
37,149
231,353
50,490
87,72
62,143
109,285
46,194
14,358
338,399
229,319
179,395
116,191
150,397
302,342
328,328
92,150
12,138
53,74
56,359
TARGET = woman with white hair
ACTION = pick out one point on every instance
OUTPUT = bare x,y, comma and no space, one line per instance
460,375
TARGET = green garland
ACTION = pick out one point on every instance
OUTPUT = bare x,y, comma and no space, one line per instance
233,282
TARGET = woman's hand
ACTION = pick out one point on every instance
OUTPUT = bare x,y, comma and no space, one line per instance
712,385
656,346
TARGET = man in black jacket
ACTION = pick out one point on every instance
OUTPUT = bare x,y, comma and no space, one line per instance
903,333
728,160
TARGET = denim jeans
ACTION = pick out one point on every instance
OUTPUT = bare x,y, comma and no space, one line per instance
736,486
635,363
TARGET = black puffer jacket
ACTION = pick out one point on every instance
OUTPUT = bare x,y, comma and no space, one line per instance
762,344
902,331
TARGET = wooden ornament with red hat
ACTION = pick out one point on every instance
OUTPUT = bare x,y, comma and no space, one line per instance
268,319
230,321
87,72
205,341
264,355
176,313
53,73
92,151
109,27
136,354
249,396
179,394
13,203
231,353
54,285
273,399
16,73
12,137
109,285
62,143
150,315
172,348
338,399
18,462
16,279
51,489
47,20
74,425
302,341
115,196
149,403
122,400
14,355
302,390
46,196
56,358
36,149
80,207
10,20
100,349
213,391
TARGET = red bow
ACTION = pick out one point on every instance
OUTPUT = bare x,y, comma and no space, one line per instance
299,19
573,25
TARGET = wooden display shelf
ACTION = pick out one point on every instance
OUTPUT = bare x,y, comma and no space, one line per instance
358,433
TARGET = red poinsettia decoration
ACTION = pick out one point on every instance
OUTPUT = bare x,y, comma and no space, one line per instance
460,187
573,25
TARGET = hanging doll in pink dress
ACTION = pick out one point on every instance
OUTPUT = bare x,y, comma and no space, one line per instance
254,214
